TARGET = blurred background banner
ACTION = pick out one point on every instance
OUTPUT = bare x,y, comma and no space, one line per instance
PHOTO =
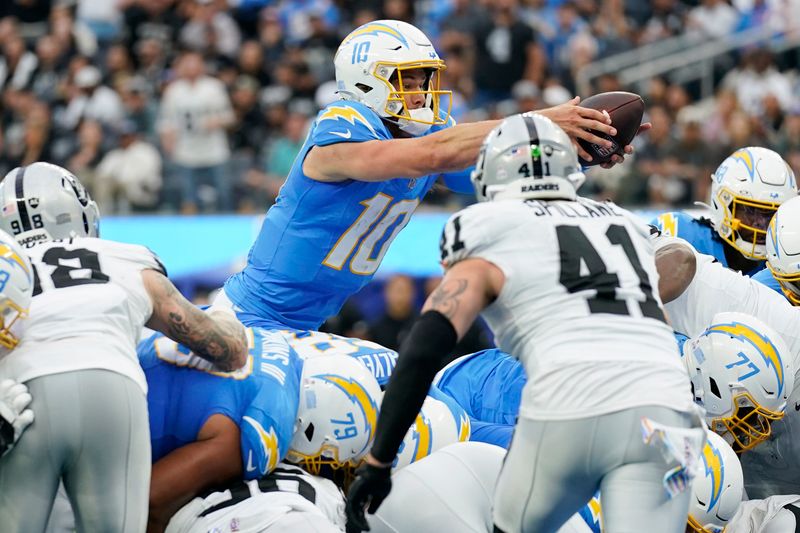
204,250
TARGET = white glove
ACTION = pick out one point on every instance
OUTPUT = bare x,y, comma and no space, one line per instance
14,400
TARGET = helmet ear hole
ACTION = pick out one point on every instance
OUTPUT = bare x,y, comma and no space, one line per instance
309,432
364,87
714,387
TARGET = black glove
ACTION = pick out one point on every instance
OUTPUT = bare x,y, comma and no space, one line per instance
371,486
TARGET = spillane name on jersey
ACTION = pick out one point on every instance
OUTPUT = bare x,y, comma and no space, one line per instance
261,397
580,300
697,232
88,309
322,242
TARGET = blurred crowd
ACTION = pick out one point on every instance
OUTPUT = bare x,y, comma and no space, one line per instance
201,105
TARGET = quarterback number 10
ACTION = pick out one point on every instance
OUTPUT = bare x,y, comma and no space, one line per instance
369,232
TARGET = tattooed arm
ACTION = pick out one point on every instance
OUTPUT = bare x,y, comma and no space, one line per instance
467,287
216,337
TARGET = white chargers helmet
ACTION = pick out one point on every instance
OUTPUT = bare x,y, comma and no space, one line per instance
440,422
783,248
717,488
746,190
16,290
338,411
43,202
527,156
370,64
742,374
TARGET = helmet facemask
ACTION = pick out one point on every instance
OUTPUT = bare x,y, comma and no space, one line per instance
749,425
744,224
419,120
10,314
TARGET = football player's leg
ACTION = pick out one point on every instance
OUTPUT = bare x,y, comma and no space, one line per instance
30,472
545,478
108,481
633,494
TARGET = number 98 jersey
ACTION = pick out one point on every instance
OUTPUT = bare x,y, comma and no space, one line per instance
89,306
579,306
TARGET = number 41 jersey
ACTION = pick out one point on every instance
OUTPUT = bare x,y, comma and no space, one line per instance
579,306
89,306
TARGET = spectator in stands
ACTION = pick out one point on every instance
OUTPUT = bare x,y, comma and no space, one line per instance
666,20
140,106
92,100
17,65
712,18
88,152
102,17
129,177
210,30
400,295
49,69
506,52
32,140
195,115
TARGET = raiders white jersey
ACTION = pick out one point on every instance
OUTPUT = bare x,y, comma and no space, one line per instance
771,515
88,309
579,306
257,504
716,289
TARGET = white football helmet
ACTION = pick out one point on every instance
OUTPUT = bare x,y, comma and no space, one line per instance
43,202
746,190
742,374
375,55
438,424
16,290
527,156
338,411
783,248
717,488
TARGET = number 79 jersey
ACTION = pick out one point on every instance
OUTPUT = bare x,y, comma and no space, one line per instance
88,309
579,306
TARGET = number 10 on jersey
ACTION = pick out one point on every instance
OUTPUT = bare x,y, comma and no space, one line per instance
369,230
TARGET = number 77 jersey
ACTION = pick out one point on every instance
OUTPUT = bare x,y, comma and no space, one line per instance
88,309
579,305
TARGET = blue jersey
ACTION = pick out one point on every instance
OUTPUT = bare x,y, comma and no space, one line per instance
322,242
262,397
697,232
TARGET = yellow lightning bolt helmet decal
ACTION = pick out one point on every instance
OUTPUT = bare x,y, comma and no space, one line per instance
269,442
422,436
669,224
712,459
763,345
376,28
464,428
357,393
9,255
745,157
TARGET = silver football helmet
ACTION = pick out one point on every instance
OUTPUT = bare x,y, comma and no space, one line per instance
527,156
43,202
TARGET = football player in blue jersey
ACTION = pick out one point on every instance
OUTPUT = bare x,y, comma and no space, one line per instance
783,252
366,164
746,190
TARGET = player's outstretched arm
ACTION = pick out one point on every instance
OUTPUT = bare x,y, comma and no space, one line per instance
676,265
212,460
216,337
448,150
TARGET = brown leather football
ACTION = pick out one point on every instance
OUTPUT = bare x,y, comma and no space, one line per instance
626,111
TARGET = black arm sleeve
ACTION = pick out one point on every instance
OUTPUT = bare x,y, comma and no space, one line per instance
423,353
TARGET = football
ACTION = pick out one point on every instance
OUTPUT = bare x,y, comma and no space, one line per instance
626,111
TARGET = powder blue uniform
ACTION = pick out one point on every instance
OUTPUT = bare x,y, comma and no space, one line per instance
322,242
262,398
698,233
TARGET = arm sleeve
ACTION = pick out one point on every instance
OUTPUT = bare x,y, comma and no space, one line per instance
459,181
